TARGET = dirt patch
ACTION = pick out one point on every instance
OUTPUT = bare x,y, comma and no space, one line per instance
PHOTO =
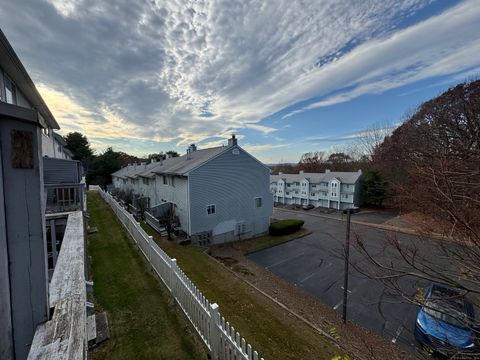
356,340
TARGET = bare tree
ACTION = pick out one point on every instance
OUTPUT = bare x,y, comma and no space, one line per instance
369,139
433,163
313,162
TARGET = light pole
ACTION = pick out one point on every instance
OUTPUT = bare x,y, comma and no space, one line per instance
349,212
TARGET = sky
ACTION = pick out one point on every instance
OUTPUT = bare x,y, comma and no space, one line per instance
286,77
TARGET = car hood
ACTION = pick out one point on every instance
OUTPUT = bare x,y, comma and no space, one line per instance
443,331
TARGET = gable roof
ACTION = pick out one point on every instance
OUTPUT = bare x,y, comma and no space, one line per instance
180,165
342,176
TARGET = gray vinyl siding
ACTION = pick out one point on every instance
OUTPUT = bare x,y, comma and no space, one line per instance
230,182
58,171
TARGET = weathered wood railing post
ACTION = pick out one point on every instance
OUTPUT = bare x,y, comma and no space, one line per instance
214,331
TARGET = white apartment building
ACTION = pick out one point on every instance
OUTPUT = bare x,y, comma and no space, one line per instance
336,190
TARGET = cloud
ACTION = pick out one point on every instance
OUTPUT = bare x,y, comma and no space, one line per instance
253,148
430,48
153,70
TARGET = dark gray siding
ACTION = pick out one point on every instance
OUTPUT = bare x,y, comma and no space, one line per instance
6,348
24,217
61,171
231,182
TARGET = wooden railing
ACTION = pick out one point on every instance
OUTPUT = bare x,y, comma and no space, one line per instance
64,336
64,197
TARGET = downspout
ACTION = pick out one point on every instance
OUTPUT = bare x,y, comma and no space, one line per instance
188,206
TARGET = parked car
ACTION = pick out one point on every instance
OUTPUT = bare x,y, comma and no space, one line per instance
446,322
308,207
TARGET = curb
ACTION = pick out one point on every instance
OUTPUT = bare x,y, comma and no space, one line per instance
309,232
378,226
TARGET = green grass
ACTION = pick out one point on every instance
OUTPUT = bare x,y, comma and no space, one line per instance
144,323
266,241
270,330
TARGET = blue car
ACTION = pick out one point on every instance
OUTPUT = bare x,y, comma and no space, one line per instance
445,323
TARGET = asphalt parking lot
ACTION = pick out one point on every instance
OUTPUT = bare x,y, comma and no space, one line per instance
315,263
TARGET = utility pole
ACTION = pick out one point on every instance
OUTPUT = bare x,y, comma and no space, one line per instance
347,259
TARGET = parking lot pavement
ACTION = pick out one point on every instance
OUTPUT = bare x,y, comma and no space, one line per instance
315,263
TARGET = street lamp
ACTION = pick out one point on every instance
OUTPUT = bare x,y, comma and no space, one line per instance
349,212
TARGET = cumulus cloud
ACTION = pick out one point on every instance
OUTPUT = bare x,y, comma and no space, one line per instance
193,71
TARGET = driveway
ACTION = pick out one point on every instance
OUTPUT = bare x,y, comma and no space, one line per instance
315,263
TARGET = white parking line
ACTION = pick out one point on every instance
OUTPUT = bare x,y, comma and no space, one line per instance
349,292
314,273
285,260
399,331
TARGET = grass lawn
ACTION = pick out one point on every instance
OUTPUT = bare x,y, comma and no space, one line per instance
266,241
144,323
274,333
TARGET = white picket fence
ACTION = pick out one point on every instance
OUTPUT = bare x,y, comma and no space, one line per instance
223,342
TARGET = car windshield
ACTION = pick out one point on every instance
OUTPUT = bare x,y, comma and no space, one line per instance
447,311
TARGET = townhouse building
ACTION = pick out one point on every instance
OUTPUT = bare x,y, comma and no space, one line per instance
219,194
335,190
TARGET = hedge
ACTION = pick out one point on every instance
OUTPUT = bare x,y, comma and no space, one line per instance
284,227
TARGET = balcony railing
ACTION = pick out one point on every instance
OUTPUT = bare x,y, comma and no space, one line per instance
64,336
64,197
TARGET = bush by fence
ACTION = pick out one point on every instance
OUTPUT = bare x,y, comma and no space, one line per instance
283,227
219,336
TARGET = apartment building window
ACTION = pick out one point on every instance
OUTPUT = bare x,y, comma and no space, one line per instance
164,180
345,196
312,194
145,181
258,202
10,91
287,193
211,209
313,185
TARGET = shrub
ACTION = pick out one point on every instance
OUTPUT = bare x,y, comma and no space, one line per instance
284,227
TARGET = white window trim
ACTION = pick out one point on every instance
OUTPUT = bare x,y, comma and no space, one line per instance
214,209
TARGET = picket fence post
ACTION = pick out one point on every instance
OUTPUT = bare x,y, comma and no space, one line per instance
214,331
173,270
150,250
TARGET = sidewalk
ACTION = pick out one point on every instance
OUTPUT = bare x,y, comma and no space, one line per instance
375,225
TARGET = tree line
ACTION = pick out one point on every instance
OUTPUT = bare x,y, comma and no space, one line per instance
99,167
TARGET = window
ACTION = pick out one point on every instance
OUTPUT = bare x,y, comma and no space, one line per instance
313,185
164,180
210,209
258,202
145,181
312,194
287,193
10,92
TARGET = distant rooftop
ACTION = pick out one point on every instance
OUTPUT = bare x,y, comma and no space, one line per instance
180,165
343,176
